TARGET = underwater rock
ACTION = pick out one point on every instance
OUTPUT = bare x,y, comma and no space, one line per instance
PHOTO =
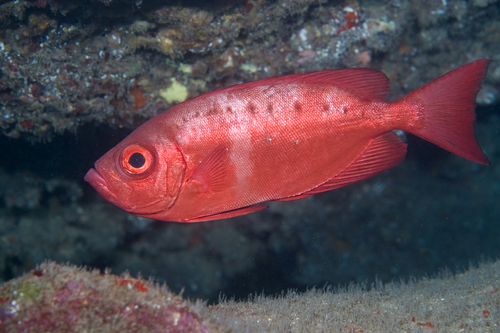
55,298
66,64
60,298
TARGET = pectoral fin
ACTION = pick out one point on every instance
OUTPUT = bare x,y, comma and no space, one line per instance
212,171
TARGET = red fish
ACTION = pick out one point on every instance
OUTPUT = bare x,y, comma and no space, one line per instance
283,138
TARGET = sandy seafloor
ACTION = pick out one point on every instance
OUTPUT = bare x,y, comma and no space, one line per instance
432,211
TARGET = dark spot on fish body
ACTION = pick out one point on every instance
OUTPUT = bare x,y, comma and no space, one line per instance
229,109
363,113
270,108
326,108
297,107
197,114
212,111
252,108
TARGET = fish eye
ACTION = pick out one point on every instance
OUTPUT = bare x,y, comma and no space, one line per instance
136,160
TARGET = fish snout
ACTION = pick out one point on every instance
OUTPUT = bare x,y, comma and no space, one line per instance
99,183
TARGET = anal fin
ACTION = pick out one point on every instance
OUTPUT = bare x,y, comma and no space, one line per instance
297,197
382,153
231,213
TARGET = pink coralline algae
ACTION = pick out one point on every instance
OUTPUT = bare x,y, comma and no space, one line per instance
55,298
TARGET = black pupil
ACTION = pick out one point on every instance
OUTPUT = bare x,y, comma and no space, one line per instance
136,160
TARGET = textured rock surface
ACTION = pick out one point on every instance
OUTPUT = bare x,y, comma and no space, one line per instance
66,299
65,64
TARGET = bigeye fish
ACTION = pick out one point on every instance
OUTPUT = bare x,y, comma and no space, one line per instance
221,154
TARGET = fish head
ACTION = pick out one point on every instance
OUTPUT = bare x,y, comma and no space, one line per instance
143,174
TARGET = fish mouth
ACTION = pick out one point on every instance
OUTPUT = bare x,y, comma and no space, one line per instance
94,178
99,183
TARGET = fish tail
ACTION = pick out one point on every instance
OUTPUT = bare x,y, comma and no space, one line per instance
447,110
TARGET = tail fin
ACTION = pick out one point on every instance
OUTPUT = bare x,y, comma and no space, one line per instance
448,107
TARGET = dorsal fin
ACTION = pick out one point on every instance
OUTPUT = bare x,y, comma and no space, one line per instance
365,83
212,170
